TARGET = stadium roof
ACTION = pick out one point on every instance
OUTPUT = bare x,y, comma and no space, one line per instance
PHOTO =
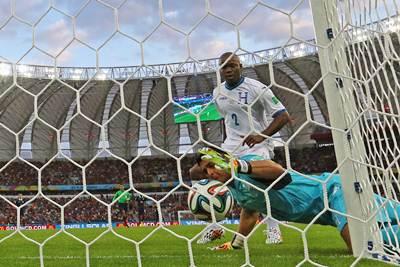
126,130
142,90
277,54
133,104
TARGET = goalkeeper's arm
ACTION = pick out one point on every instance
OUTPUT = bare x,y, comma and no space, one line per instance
260,169
266,171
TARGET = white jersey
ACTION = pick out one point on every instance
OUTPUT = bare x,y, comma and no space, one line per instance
233,104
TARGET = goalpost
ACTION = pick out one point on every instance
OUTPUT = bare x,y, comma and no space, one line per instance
357,42
358,58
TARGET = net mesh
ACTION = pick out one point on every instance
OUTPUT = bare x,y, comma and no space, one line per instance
79,116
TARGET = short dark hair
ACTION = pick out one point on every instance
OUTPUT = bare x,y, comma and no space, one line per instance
198,158
226,55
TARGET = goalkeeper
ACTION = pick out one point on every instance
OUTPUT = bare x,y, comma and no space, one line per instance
292,198
123,202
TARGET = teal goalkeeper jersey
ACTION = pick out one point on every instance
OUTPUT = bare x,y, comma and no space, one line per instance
300,201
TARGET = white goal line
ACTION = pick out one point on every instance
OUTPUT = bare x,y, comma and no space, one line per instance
144,257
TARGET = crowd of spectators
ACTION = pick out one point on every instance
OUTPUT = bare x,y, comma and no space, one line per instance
86,209
309,160
144,170
101,171
105,171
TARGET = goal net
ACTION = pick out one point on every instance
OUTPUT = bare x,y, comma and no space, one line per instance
358,63
107,95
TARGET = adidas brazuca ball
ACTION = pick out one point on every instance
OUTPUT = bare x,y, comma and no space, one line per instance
199,201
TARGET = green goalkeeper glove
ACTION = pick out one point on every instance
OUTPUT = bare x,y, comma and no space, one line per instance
221,161
225,161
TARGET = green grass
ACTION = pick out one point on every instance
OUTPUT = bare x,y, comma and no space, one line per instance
209,113
164,249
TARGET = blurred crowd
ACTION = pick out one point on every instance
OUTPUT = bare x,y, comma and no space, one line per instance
87,209
145,170
309,160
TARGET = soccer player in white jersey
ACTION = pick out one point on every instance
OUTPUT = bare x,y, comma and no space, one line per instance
233,99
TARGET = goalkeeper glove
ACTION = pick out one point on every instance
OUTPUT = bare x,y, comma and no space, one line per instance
224,246
236,243
225,161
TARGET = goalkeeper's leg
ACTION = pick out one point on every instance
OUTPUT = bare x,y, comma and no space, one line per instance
123,209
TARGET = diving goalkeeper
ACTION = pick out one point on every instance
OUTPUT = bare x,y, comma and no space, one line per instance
293,198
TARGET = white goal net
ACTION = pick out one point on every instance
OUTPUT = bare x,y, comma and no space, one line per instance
94,99
359,60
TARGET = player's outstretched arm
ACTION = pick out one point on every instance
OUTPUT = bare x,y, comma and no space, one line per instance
260,169
266,171
263,169
275,126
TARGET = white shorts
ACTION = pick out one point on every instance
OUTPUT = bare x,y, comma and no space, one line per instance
261,149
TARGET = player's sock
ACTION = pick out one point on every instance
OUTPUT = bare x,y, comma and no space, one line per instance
237,242
273,232
272,223
212,233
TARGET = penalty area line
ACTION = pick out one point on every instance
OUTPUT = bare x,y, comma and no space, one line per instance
99,257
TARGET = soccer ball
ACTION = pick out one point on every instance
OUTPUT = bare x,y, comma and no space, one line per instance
199,201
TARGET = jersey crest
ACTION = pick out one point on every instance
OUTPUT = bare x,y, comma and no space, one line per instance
243,97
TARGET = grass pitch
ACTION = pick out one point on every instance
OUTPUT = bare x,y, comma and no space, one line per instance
210,113
163,248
